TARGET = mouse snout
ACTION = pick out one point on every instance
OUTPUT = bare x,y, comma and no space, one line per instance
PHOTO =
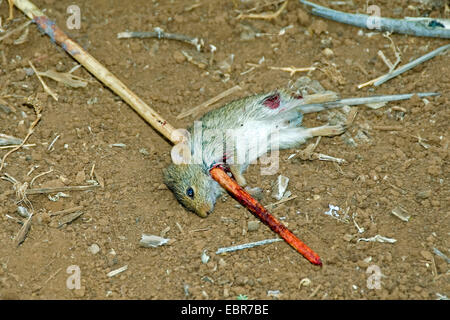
205,210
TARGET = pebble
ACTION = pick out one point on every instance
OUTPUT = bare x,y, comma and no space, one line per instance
327,52
179,57
80,177
79,293
303,17
94,248
427,255
253,225
347,237
222,262
425,194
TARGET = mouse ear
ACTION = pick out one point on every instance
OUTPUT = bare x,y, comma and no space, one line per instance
181,153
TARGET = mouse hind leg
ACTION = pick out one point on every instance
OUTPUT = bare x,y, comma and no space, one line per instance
294,137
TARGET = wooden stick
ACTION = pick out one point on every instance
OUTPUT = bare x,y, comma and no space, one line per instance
57,35
410,65
264,15
60,189
402,26
258,210
66,211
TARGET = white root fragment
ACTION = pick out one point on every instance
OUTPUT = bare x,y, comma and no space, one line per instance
247,245
117,271
152,241
378,238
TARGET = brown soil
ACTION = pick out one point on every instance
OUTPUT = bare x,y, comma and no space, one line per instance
385,170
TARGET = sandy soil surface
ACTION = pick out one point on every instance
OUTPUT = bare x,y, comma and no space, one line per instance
396,157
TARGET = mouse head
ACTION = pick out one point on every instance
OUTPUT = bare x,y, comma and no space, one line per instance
193,187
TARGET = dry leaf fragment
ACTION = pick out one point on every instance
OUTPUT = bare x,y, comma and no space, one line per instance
65,77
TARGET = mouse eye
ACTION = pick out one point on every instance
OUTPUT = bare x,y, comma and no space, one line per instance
190,192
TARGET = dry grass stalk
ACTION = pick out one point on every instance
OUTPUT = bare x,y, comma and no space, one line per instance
269,206
66,211
388,128
11,11
209,102
25,146
23,232
37,109
60,189
265,15
44,85
13,31
40,175
65,77
69,218
293,70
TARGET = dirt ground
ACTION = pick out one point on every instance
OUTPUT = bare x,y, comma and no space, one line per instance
396,157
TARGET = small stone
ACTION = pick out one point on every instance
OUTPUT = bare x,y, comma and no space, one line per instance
348,237
253,225
362,264
179,57
425,194
64,180
80,177
144,152
319,26
94,248
204,257
427,255
79,293
327,52
302,17
222,262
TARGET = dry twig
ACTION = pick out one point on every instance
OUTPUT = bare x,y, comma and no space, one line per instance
37,109
44,85
265,15
209,102
160,34
293,70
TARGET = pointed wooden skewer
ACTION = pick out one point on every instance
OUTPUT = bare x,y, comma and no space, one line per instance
258,210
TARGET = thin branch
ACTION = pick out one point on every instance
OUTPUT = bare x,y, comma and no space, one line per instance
247,245
403,26
60,189
410,65
160,34
205,104
19,28
46,88
265,15
293,70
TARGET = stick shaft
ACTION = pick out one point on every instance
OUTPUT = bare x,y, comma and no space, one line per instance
316,107
96,68
258,210
411,65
